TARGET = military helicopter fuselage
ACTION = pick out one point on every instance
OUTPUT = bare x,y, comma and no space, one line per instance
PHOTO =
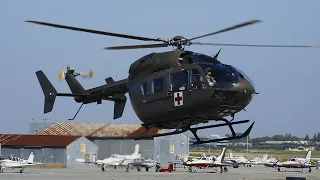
168,88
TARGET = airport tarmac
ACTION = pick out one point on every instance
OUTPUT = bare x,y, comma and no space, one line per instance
241,173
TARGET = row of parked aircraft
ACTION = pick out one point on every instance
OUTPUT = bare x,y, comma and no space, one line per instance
135,160
222,161
128,161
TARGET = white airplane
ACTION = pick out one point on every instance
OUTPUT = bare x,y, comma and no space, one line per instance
271,162
237,160
297,163
210,162
15,162
199,162
120,160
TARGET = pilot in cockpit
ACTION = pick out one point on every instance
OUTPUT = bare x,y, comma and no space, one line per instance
210,79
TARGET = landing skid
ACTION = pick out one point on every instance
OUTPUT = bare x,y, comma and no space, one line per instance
194,132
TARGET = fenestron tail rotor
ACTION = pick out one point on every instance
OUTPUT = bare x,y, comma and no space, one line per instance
178,41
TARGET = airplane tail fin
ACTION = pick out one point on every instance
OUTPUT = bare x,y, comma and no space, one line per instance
264,158
49,91
308,157
220,158
136,150
31,157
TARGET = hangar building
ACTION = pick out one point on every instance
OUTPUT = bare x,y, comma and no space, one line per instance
119,139
49,149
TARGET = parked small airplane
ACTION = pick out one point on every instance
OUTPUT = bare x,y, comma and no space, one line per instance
297,163
271,162
15,162
116,160
201,162
210,162
142,163
241,160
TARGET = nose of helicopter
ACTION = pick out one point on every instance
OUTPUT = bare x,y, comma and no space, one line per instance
244,87
238,93
246,91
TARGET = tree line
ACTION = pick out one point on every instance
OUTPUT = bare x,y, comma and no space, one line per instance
258,142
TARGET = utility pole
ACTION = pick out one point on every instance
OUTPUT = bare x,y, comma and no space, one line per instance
247,145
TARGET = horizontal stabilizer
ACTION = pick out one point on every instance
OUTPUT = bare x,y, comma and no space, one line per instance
49,91
119,105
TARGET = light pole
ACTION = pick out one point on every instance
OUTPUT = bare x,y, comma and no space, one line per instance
247,145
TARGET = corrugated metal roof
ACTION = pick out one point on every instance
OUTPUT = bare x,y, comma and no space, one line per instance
36,140
97,130
71,129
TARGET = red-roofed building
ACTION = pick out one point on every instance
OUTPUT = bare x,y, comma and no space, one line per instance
48,149
119,139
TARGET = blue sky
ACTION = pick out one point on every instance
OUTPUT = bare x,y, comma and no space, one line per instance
287,79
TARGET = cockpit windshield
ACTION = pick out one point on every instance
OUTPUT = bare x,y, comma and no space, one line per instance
113,156
244,75
219,75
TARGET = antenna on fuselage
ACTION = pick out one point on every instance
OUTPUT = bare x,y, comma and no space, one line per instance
216,56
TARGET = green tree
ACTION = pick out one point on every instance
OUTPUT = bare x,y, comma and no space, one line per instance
306,138
314,139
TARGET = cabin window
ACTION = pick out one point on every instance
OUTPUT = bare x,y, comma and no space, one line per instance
179,81
196,76
144,88
157,85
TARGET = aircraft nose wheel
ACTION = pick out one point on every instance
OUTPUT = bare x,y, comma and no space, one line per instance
103,168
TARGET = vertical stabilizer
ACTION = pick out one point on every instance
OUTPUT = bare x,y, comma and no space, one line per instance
30,159
136,151
265,158
308,157
221,156
49,91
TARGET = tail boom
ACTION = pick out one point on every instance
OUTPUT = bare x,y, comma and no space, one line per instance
112,91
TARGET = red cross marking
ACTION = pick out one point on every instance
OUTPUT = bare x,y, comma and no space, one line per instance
178,98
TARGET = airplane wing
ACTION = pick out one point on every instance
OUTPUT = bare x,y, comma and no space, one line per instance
20,165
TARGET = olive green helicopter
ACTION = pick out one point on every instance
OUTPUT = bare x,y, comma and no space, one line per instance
177,89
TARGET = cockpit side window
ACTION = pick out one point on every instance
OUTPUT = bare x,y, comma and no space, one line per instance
179,81
144,88
157,85
196,79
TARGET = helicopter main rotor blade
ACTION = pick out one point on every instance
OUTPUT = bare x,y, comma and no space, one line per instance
255,45
95,31
228,29
137,46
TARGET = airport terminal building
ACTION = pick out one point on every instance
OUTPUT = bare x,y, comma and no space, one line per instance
109,139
